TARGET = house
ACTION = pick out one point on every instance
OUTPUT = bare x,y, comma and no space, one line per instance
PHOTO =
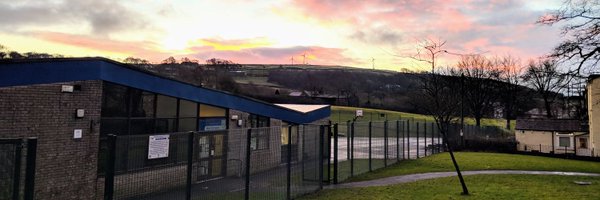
557,136
72,104
593,106
322,97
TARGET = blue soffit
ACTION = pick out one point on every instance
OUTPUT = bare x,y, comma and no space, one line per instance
55,70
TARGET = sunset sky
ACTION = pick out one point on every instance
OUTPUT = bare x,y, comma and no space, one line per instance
329,32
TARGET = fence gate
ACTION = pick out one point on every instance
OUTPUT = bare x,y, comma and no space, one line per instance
11,179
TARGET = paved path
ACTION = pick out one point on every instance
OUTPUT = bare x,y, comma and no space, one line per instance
432,175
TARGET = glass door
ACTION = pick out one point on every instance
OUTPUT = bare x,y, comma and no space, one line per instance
211,155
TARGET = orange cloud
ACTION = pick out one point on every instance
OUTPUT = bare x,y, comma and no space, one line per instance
235,45
145,50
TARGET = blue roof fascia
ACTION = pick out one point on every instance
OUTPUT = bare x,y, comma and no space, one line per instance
27,73
23,73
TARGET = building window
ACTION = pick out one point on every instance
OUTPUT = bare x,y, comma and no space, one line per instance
212,118
257,121
564,141
259,139
142,103
166,107
583,143
212,111
188,115
115,100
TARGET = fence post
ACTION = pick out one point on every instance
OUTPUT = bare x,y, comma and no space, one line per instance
552,144
335,153
370,154
440,146
109,175
248,149
348,139
432,146
385,142
425,137
418,144
321,149
289,164
190,157
408,136
398,140
351,147
328,149
17,170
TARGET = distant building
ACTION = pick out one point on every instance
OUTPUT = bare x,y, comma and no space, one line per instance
593,106
558,136
322,97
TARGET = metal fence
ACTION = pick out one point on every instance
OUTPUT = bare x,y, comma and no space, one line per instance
361,147
14,163
282,162
256,163
559,151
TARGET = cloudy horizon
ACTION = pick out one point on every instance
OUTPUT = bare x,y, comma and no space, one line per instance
330,32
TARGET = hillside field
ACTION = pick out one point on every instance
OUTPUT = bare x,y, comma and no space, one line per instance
341,114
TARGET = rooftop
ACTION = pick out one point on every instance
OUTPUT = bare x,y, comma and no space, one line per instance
560,125
57,70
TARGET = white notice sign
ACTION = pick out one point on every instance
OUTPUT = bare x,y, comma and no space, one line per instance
158,146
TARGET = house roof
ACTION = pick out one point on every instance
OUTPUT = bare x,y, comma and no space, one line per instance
43,71
559,125
295,94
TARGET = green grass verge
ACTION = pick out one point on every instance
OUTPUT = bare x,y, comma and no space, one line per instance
341,114
480,187
481,161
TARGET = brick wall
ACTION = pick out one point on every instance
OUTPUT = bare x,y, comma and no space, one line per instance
65,167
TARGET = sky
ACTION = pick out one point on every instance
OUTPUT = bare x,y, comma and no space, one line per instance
379,33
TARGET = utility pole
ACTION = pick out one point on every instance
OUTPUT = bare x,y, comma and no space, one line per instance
373,63
292,60
304,58
462,110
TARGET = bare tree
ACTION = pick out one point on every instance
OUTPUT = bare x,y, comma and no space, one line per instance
582,30
136,61
513,96
437,97
432,49
544,77
169,60
478,77
2,53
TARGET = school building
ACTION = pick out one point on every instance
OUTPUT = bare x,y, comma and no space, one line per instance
71,105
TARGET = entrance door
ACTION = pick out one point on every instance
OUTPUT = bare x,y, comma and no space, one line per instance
211,155
285,143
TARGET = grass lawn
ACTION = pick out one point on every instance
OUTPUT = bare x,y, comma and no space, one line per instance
480,187
341,114
481,161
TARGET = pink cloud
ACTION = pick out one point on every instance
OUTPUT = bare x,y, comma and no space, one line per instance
271,55
494,26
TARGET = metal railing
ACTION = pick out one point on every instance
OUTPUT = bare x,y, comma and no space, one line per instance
264,163
361,147
253,163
